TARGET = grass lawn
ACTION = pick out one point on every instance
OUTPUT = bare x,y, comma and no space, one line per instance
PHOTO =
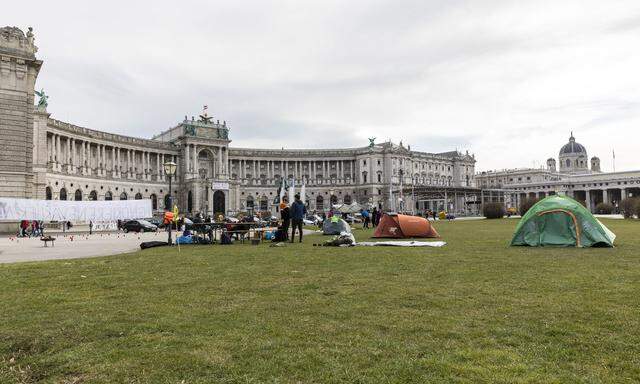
473,311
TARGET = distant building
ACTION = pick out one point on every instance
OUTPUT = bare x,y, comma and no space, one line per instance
577,177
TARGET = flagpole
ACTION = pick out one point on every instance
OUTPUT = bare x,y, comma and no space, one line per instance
614,159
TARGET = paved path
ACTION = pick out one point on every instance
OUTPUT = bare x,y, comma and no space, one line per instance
73,246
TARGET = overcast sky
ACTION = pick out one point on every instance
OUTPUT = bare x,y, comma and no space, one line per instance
506,80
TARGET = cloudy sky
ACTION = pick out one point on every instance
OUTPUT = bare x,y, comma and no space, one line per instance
507,80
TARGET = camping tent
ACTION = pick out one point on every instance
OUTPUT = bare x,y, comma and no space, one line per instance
399,226
350,208
561,221
334,226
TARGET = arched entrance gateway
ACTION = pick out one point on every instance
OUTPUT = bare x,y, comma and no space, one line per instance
218,203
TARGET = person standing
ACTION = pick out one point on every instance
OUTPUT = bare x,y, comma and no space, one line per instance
374,215
365,219
24,224
90,227
285,215
35,228
298,210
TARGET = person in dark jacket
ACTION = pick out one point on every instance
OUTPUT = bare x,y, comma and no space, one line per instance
298,210
285,215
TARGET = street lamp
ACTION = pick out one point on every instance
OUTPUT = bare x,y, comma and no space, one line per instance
170,170
203,177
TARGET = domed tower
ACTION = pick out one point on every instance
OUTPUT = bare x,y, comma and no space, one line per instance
551,164
595,164
573,157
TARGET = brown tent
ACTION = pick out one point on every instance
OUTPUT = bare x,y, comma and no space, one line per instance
403,226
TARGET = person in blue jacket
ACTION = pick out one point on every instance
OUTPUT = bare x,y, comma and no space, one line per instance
297,212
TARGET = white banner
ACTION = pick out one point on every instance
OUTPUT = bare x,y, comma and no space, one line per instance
219,185
63,210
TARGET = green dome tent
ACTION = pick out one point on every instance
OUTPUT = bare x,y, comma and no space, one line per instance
561,221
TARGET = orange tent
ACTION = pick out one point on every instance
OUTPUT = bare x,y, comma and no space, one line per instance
403,226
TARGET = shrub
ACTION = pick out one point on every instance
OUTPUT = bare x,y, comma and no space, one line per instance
526,204
604,208
628,207
493,210
636,207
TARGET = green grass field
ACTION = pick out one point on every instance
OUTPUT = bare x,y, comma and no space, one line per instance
473,311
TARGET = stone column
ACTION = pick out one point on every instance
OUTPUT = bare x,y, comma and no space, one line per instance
195,159
73,156
227,168
143,164
103,158
588,200
623,193
83,157
353,171
187,159
220,162
128,163
58,157
113,161
605,196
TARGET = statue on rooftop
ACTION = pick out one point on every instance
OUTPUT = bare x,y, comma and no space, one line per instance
372,142
43,103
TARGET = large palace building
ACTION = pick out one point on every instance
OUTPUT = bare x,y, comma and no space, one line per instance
44,158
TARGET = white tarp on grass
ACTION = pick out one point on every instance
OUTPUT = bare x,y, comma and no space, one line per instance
62,210
403,243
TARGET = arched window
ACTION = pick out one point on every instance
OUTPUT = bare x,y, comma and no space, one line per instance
334,199
108,196
568,163
379,177
63,194
93,195
189,202
78,195
364,177
319,203
154,202
47,193
206,161
167,202
123,196
264,203
138,196
347,199
250,204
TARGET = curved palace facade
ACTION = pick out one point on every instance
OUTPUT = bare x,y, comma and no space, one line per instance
49,159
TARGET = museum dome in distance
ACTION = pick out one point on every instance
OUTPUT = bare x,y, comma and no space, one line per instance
572,147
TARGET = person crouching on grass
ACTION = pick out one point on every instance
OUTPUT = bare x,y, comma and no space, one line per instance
298,210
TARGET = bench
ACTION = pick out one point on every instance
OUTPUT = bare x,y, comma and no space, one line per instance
48,239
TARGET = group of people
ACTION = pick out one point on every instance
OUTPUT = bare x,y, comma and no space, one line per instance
292,216
370,218
30,228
